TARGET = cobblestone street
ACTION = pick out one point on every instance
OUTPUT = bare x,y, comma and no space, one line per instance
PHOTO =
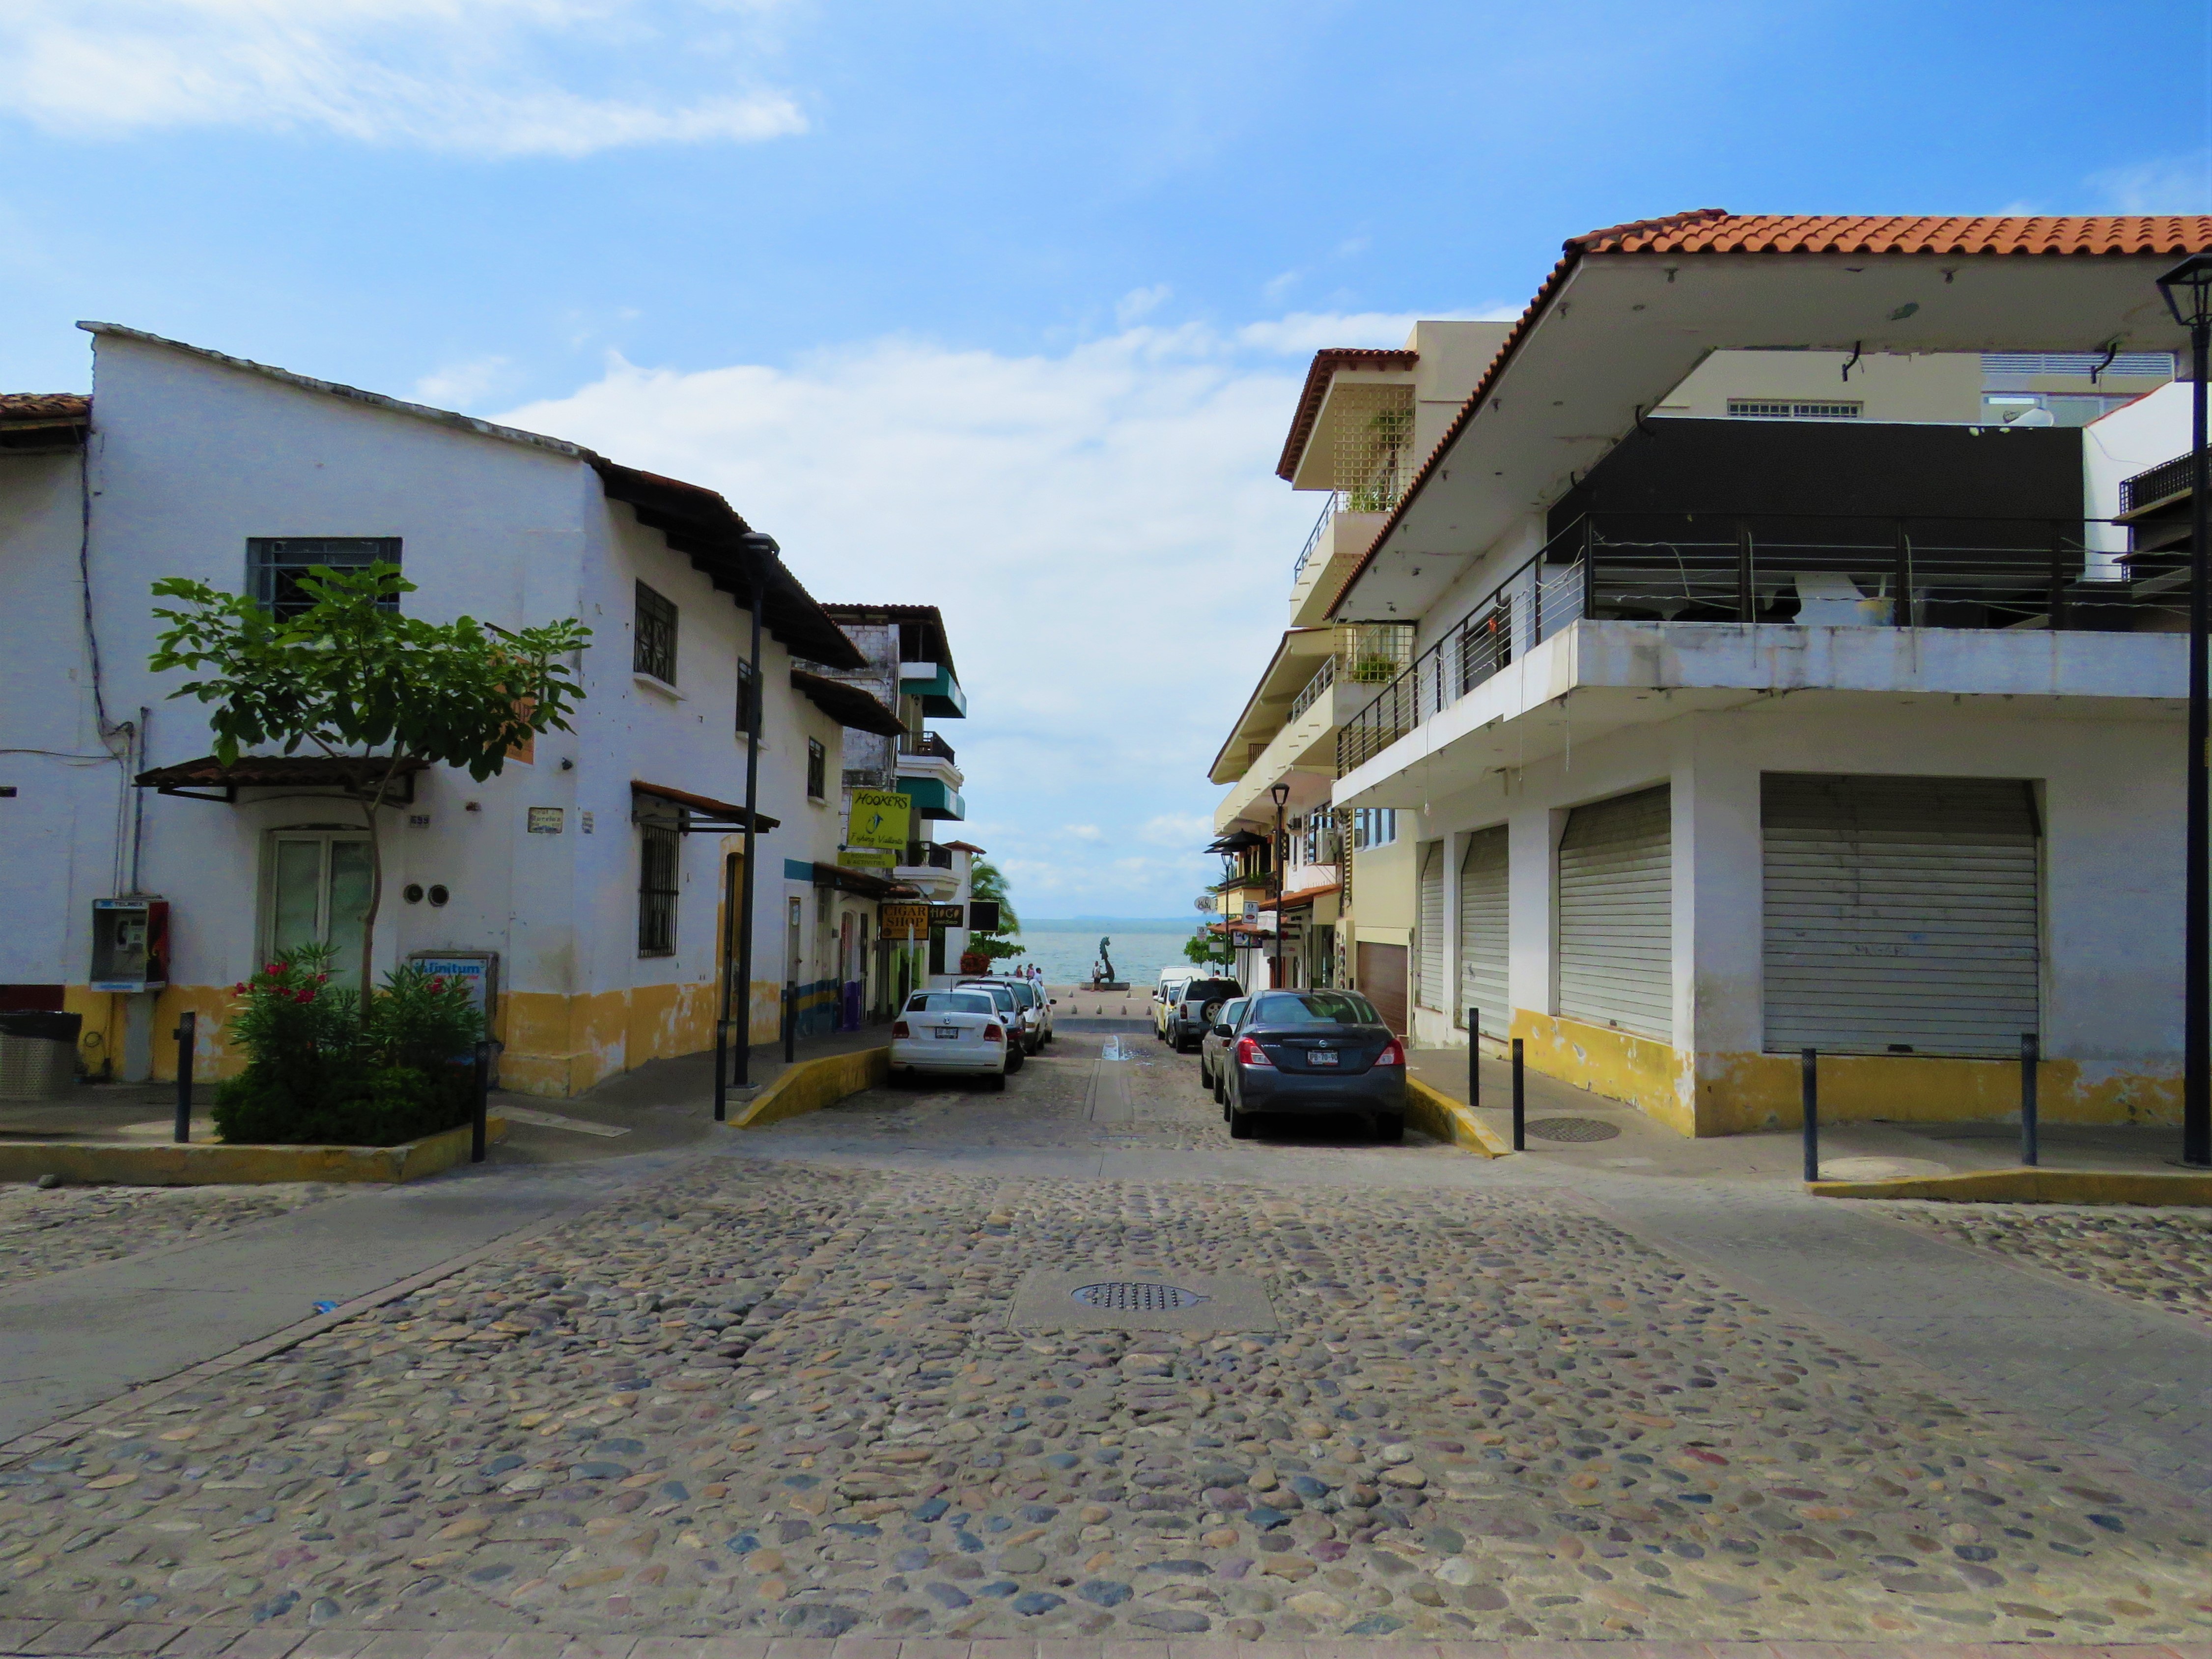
780,1394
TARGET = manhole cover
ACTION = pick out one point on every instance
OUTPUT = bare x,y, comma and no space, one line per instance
1135,1296
1572,1128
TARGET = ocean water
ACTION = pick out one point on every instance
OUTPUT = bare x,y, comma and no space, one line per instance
1065,948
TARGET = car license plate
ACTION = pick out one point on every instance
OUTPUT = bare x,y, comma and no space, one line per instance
1322,1057
950,1032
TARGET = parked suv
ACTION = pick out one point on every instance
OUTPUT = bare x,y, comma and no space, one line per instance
1197,1006
1022,999
1169,993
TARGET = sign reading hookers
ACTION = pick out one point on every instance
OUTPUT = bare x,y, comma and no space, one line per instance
907,922
880,818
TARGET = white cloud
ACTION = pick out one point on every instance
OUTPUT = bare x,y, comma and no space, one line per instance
1103,527
496,77
1305,332
1140,303
2165,184
457,385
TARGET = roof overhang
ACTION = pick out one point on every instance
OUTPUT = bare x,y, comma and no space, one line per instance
689,814
1331,366
1614,331
1297,658
354,775
847,705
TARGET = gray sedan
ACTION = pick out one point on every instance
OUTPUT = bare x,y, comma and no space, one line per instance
1315,1052
1215,1043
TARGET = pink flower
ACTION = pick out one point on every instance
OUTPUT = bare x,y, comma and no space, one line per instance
239,987
322,979
437,982
274,968
308,994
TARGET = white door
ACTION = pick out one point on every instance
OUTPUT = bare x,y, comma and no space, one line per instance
1900,913
1482,952
1432,989
1617,914
319,883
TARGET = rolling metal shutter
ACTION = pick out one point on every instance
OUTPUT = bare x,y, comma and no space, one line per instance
1617,914
1482,947
1900,913
1431,990
1382,970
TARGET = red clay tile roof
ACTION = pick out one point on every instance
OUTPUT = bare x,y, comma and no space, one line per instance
1716,230
43,406
1326,362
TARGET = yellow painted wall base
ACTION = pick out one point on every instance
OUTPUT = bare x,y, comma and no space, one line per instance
1435,1113
811,1085
2027,1185
1644,1072
162,1164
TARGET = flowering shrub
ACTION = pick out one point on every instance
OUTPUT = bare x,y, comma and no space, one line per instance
316,1071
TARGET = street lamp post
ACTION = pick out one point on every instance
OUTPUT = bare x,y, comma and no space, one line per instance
761,551
1281,793
2188,291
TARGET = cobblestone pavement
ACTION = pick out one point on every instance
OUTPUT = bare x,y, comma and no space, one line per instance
785,1401
48,1230
2161,1258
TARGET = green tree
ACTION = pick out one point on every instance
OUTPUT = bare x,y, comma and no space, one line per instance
351,676
986,881
1208,950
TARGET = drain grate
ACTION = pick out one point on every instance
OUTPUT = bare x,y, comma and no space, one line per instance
1135,1296
1572,1128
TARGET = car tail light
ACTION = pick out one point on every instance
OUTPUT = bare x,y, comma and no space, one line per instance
994,1034
1392,1054
1249,1053
902,1029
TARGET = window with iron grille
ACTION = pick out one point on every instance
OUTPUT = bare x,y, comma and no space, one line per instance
817,769
1779,409
749,700
274,565
656,891
654,649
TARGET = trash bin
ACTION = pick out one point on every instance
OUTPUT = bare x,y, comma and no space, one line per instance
37,1055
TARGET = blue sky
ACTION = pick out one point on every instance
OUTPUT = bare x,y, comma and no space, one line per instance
999,306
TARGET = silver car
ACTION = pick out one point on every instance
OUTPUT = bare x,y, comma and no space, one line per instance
1215,1044
1027,1019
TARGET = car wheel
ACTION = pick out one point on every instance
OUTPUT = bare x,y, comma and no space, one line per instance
996,1082
1204,1074
1221,1094
1241,1124
1390,1126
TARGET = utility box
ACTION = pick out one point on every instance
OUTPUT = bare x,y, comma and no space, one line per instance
130,944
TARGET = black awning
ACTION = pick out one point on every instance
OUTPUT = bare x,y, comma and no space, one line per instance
847,705
352,774
1236,842
688,813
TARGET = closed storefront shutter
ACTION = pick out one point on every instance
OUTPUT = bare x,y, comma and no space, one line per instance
1482,954
1900,913
1616,915
1381,970
1432,989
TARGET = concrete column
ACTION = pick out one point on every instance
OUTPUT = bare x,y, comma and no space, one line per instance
1532,847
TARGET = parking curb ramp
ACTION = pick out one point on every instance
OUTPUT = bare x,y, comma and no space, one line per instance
811,1085
166,1163
1435,1113
2034,1186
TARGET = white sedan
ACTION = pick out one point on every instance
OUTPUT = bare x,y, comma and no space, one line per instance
951,1032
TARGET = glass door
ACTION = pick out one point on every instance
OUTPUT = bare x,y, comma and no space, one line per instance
319,895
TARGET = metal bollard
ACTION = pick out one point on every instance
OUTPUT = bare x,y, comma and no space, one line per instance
790,1021
187,1023
1474,1057
1520,1104
721,1070
1808,1087
2031,1052
483,1092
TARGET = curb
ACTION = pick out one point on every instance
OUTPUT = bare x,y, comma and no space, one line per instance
166,1163
2033,1186
1436,1113
811,1085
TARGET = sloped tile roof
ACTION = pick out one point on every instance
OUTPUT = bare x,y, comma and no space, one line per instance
43,406
1326,362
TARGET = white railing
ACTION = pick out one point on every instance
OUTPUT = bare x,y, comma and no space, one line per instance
1316,688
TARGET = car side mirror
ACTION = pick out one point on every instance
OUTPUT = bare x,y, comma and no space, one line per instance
1222,1030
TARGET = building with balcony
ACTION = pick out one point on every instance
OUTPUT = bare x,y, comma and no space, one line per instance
1773,684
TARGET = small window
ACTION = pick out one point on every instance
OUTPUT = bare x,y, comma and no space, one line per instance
656,891
1783,409
274,564
654,650
748,699
913,643
817,769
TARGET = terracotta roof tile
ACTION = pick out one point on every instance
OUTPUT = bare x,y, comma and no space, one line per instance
43,406
1326,362
1716,230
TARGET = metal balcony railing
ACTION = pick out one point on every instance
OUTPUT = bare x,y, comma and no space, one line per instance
1316,689
925,742
2167,478
1919,573
1313,537
924,854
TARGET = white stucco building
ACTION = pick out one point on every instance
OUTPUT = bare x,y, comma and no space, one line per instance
1772,683
593,866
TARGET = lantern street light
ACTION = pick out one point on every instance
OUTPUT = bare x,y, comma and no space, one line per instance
2188,291
1281,793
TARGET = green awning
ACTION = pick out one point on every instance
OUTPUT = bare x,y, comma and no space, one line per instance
940,694
934,798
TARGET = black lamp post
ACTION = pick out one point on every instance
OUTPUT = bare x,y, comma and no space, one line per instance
2188,290
761,553
1281,793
